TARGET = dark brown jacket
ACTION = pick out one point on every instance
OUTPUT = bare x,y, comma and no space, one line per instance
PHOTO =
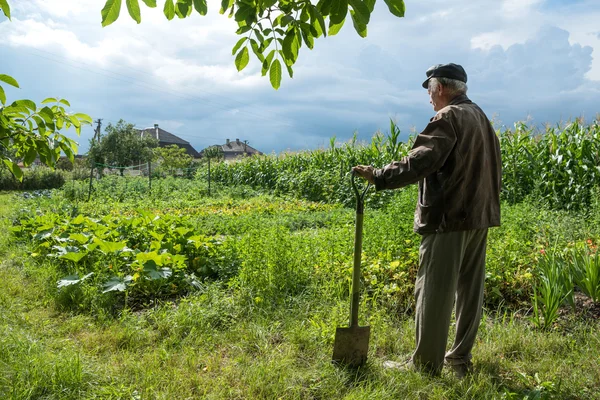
456,161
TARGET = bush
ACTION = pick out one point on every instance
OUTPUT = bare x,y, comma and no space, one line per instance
33,179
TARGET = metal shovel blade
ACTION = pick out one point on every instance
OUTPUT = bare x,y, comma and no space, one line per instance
351,345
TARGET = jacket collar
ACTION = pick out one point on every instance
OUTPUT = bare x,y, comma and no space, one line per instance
460,99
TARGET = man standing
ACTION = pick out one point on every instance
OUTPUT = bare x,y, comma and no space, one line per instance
456,162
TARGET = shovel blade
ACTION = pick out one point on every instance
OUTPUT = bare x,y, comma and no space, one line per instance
351,345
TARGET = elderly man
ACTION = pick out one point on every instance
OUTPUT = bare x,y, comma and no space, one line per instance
456,162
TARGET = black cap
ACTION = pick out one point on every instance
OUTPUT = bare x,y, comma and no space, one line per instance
451,71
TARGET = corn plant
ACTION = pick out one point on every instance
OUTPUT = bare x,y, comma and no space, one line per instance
553,288
586,272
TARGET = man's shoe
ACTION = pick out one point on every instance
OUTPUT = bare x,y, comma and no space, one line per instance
461,370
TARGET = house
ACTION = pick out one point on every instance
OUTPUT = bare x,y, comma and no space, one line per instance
233,149
167,139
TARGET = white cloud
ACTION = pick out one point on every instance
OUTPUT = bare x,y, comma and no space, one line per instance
522,56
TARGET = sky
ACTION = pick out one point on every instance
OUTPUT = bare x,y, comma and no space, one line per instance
526,60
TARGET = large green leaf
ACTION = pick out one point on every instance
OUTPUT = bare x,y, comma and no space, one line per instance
242,58
275,74
14,168
110,247
169,9
361,12
75,257
267,63
72,280
133,6
83,117
117,284
339,9
5,8
201,7
30,156
47,114
150,3
359,26
396,7
238,45
26,103
110,12
2,96
183,8
9,80
290,47
335,28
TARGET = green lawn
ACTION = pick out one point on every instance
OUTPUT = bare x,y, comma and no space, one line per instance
229,340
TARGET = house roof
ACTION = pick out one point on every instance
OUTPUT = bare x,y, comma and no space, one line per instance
238,146
166,138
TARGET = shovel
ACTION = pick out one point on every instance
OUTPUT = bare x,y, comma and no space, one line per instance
352,344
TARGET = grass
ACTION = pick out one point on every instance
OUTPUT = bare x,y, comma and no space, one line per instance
221,343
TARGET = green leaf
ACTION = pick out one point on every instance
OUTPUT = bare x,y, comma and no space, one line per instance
74,121
242,58
275,74
317,21
334,28
238,45
225,4
26,103
150,3
396,7
47,114
5,8
9,80
370,5
117,284
30,156
79,237
256,50
339,9
182,8
324,6
49,100
83,118
267,63
359,26
75,257
133,6
72,280
2,96
169,9
308,38
290,71
361,10
14,168
290,47
243,12
201,7
110,12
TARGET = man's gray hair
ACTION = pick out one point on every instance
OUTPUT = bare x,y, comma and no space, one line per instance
453,86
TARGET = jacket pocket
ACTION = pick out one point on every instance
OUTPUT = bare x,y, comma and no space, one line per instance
428,218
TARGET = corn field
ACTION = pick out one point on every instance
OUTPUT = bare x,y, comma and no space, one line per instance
559,166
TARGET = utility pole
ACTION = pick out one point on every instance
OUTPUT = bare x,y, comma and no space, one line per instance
96,138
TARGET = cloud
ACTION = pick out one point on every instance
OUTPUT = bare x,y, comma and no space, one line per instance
529,57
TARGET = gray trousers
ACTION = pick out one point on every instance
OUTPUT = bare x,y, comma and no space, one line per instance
451,269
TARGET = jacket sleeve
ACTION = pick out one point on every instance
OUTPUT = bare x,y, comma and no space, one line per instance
428,154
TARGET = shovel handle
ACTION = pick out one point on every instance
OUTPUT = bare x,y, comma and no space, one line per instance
360,196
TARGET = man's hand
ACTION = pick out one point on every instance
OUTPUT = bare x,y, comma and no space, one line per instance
365,171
